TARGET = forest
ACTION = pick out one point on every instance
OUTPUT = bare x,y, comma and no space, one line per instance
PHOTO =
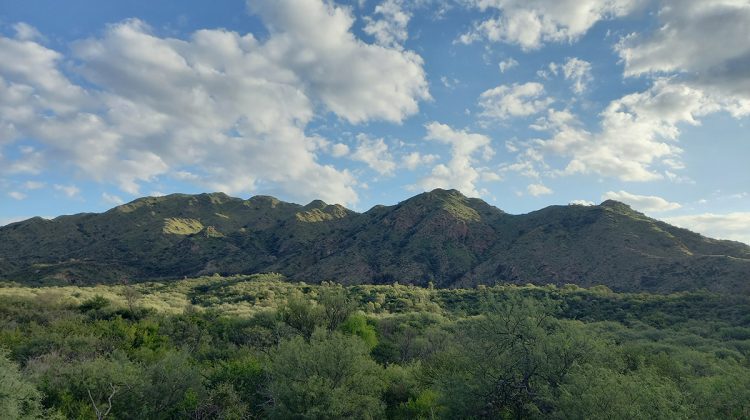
260,346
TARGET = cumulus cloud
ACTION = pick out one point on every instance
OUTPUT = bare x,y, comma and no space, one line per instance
508,64
645,203
374,153
17,195
414,160
704,41
637,137
355,80
696,62
70,191
505,101
459,172
228,109
638,133
33,185
339,150
733,226
26,32
31,82
538,189
531,23
578,72
390,28
113,199
582,203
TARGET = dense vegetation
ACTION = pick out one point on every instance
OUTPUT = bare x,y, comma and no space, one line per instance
259,346
439,236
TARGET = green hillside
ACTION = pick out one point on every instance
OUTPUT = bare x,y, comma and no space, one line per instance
438,237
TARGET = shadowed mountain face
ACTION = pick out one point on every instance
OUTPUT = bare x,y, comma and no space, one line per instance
439,236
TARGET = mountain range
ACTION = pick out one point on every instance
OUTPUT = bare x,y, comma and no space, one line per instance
439,237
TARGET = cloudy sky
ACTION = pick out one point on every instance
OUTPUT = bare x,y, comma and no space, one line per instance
524,103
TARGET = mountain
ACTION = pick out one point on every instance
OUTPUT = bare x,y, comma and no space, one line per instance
439,236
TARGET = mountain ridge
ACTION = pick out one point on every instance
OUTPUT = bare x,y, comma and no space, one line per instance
439,236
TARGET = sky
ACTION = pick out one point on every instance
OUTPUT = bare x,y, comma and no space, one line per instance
523,103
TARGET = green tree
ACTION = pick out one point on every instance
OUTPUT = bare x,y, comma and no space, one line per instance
132,297
337,306
301,314
95,388
599,393
357,325
19,399
331,376
726,395
173,388
507,363
246,375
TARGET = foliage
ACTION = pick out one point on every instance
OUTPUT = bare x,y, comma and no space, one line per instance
507,363
258,346
331,376
19,399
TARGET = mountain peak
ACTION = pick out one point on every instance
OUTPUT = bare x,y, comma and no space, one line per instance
438,194
217,197
264,200
445,193
614,204
450,201
316,204
145,202
620,207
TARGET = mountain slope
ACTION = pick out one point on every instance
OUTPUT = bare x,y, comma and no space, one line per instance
439,236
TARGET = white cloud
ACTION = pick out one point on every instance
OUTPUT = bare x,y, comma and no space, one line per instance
531,23
312,39
375,153
339,150
112,199
156,106
448,82
69,190
525,165
26,32
733,226
574,70
17,195
538,189
33,185
638,131
578,72
414,160
490,176
505,101
391,29
582,203
508,64
706,42
30,82
637,140
459,172
645,203
697,62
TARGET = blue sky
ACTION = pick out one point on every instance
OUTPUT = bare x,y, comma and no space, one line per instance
522,103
